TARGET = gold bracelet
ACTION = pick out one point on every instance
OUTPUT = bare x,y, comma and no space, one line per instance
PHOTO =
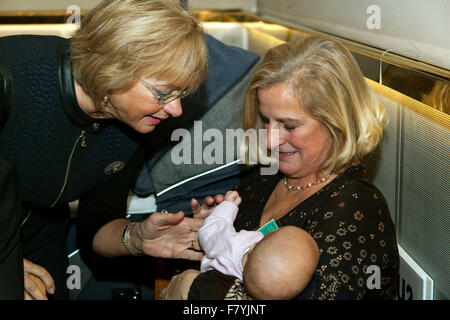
126,240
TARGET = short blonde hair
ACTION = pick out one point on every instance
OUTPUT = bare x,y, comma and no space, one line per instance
121,41
324,77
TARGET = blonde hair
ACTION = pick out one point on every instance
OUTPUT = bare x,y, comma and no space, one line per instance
439,97
121,41
324,77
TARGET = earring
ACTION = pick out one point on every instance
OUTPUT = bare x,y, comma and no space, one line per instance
105,99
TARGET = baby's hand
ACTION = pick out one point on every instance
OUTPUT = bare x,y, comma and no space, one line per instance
233,196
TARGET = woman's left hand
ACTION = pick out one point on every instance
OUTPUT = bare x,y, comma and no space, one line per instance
168,235
37,281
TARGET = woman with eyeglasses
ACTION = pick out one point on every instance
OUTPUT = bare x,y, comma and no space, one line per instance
78,111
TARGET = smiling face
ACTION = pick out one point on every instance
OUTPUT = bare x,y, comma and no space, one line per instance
138,106
302,140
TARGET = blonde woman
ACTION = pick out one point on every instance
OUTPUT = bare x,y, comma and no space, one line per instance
79,109
322,117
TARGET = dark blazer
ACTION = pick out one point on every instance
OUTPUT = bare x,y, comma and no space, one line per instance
45,130
11,262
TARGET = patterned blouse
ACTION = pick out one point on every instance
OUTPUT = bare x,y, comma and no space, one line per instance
350,221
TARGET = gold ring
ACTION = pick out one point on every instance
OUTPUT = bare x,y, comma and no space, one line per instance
192,244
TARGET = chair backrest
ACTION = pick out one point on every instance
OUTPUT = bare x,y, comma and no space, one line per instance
411,167
5,95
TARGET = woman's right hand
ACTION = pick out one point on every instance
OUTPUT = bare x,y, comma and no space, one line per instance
179,286
168,235
37,281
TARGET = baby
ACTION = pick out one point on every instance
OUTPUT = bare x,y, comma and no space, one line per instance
276,266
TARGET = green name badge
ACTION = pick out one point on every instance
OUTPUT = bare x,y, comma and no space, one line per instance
269,226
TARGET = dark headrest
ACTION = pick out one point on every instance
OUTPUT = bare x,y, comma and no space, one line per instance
5,94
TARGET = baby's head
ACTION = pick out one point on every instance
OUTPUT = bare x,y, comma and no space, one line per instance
281,265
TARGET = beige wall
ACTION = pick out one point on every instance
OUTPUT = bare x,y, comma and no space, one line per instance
247,5
416,28
14,5
24,5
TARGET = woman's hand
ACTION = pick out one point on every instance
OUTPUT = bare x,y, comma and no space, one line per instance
168,235
37,281
208,205
179,285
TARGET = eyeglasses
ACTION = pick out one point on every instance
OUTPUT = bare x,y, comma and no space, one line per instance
164,98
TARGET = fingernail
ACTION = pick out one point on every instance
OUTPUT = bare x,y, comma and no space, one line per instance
51,290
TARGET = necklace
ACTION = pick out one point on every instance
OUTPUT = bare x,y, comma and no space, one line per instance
306,186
